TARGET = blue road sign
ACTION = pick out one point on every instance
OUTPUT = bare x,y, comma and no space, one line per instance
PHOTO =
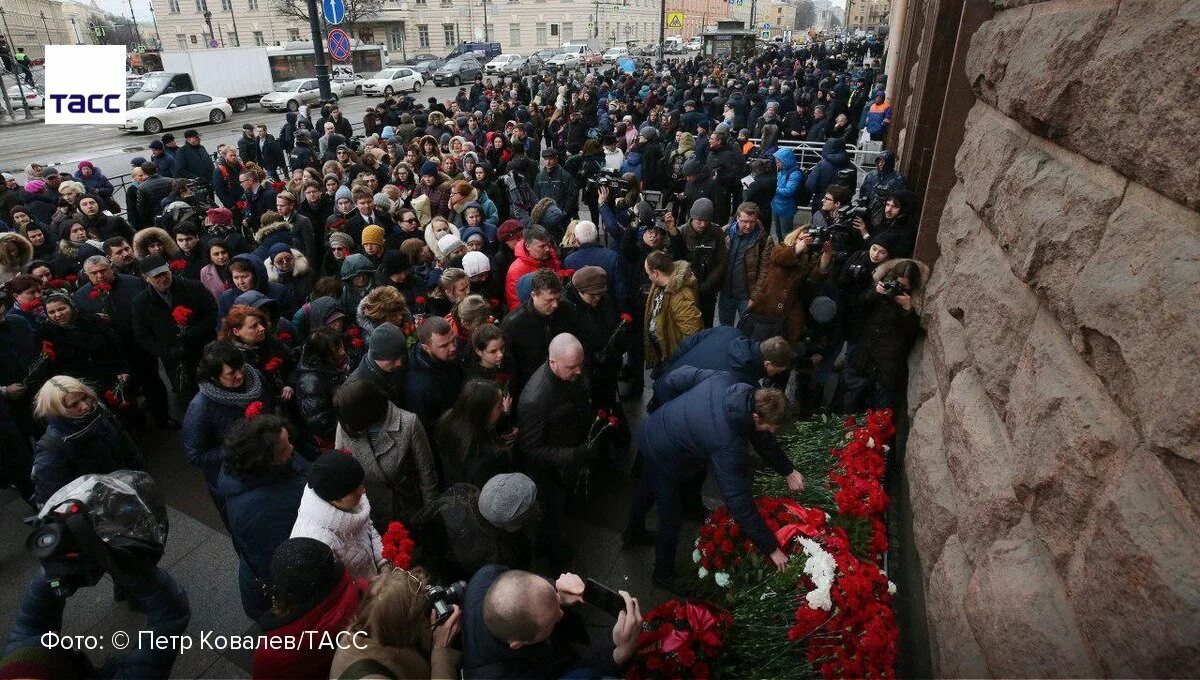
627,64
339,45
334,10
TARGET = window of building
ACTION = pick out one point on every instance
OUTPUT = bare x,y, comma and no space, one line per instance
396,36
421,2
539,32
183,41
553,29
231,39
226,5
173,6
448,34
293,34
199,6
514,35
447,3
423,35
367,35
260,40
253,5
568,30
193,40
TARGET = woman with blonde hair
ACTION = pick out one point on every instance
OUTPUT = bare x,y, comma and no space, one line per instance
468,313
82,437
454,285
70,193
400,640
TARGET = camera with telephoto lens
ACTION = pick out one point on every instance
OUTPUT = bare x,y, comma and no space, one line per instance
852,211
57,542
606,178
821,234
442,599
893,288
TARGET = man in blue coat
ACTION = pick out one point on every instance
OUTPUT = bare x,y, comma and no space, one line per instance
707,419
592,253
725,348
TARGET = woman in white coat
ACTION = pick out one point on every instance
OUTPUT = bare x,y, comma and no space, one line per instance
334,510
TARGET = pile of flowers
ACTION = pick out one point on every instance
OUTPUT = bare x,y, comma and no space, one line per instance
679,639
722,549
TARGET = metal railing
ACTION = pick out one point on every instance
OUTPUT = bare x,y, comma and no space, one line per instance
808,154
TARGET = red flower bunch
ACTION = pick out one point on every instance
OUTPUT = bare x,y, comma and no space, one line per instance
420,299
398,545
178,265
48,350
626,318
57,283
354,331
72,278
99,290
240,205
181,315
31,306
253,410
680,638
273,364
860,467
503,378
278,185
722,545
494,302
357,343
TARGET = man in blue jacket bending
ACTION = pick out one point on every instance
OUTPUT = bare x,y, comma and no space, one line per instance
707,418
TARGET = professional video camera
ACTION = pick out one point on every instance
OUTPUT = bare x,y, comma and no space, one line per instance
855,210
115,523
893,287
606,178
442,600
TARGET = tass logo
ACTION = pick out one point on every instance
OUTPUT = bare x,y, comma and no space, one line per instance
92,103
85,84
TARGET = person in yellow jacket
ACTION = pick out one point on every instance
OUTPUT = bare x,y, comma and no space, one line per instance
671,311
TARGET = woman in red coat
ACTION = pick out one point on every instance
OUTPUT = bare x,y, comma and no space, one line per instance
312,592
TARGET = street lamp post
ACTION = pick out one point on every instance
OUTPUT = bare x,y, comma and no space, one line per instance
49,40
16,76
208,20
75,29
136,32
485,20
237,40
154,18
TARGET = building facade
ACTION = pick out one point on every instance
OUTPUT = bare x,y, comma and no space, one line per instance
867,14
697,14
411,27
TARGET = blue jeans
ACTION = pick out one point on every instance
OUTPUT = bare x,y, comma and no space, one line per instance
729,310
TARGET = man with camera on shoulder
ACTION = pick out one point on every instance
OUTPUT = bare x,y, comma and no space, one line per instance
515,625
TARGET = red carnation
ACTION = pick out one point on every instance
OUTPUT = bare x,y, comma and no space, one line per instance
177,265
354,331
57,283
72,278
48,350
31,306
357,343
612,421
277,186
240,205
253,410
420,299
503,378
273,364
601,414
285,336
494,302
626,317
181,315
94,294
110,397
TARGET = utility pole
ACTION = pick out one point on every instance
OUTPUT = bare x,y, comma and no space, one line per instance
16,75
596,19
485,24
314,25
208,20
75,28
49,40
154,18
662,29
136,31
237,40
753,6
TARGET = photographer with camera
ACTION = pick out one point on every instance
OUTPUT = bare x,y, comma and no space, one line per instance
835,222
877,369
97,524
515,626
897,218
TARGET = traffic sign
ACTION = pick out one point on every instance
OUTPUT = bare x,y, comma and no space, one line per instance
766,25
766,35
787,35
334,10
674,19
339,45
212,43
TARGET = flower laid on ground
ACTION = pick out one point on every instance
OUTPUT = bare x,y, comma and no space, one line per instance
722,547
398,545
679,639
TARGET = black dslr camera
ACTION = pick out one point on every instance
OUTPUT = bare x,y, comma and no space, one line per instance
852,211
442,600
606,178
821,234
893,288
65,543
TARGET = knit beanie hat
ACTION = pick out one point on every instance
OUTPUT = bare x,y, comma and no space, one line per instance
343,192
702,209
333,475
394,262
341,238
305,571
278,249
889,240
475,263
590,279
506,499
429,168
449,243
508,229
219,216
372,234
388,342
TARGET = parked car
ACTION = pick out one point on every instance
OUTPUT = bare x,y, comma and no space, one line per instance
391,80
344,86
31,96
694,44
614,54
483,51
290,94
457,71
574,56
506,64
417,58
177,109
427,67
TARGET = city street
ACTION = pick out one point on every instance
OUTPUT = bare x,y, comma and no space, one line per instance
110,149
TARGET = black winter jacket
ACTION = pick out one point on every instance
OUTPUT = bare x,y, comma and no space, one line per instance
93,444
315,385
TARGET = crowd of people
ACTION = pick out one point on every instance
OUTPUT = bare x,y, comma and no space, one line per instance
448,320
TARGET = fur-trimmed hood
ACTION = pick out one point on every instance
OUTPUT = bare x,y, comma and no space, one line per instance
888,269
24,250
681,276
261,235
142,239
299,266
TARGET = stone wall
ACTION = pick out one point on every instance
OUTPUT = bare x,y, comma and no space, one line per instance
1053,461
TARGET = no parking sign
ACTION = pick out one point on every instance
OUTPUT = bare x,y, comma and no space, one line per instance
339,45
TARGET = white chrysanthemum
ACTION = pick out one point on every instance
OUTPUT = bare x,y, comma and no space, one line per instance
702,572
870,442
820,567
891,588
696,555
722,579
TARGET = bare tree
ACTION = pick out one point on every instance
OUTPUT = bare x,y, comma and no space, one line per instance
118,30
806,15
356,10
